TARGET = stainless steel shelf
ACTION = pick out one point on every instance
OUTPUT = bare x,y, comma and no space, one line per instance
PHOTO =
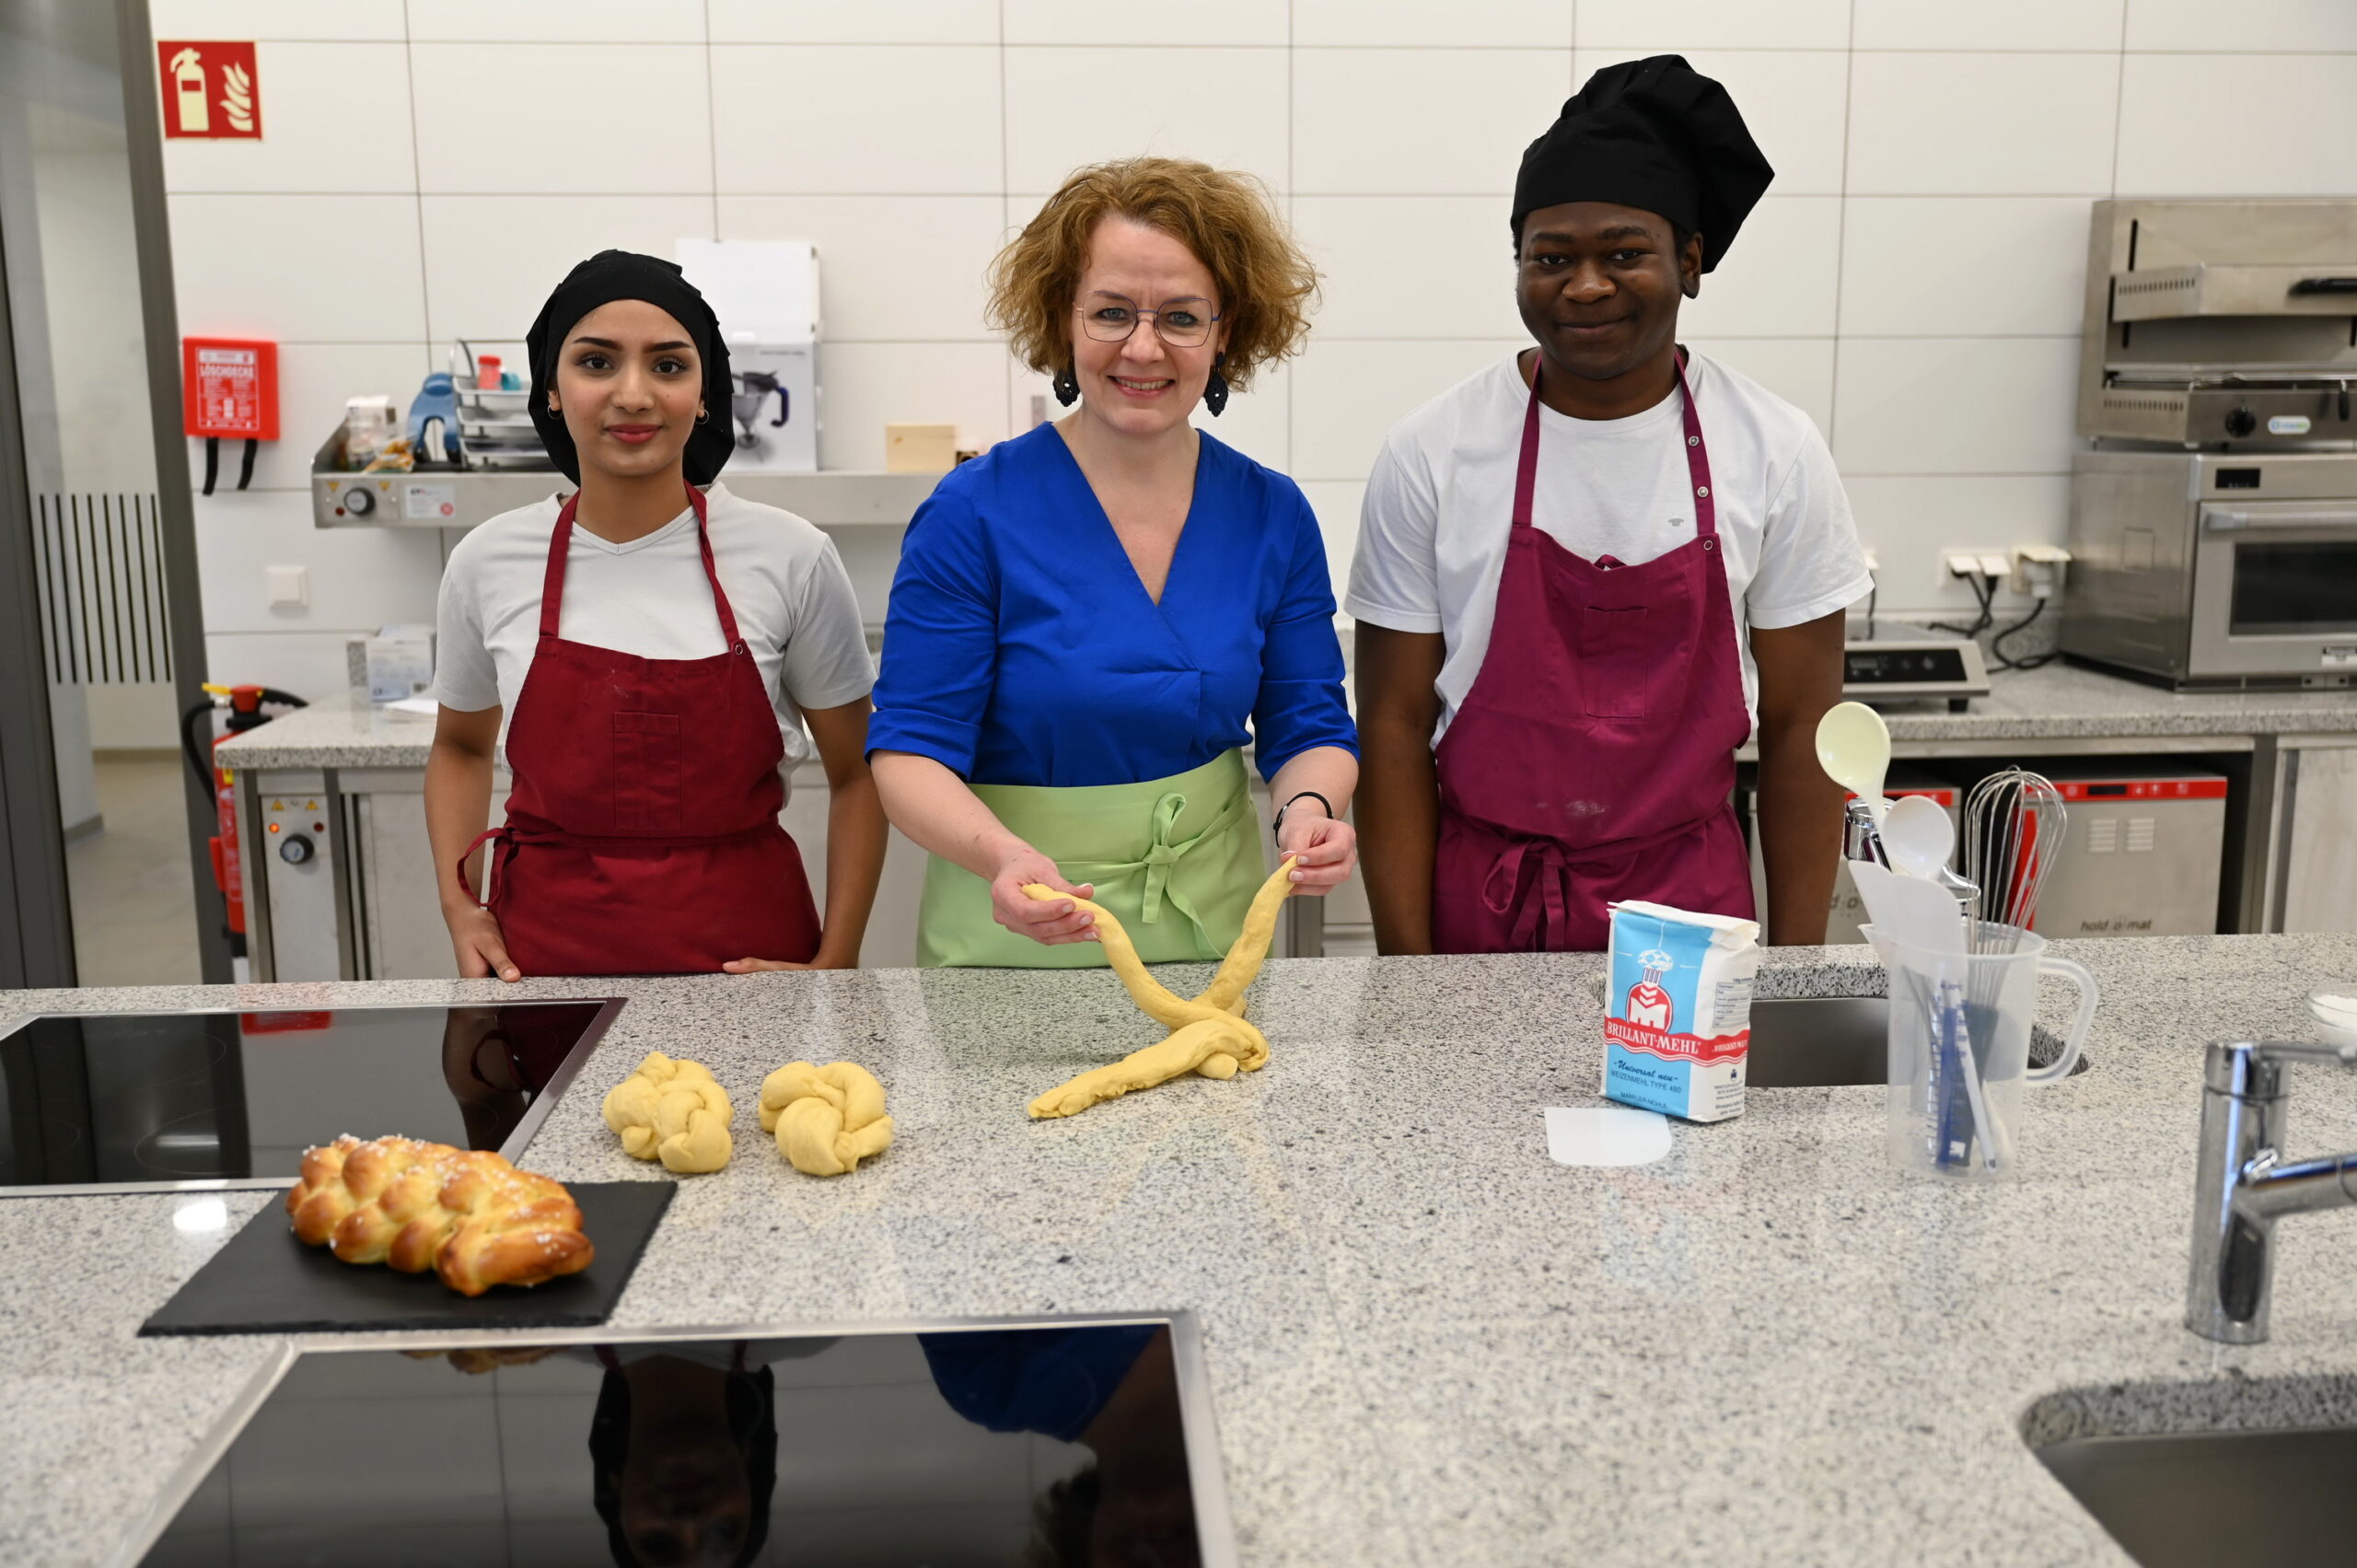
453,499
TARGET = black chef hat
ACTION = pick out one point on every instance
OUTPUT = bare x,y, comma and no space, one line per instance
1655,134
625,274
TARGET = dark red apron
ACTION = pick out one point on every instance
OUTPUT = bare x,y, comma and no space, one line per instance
642,833
1594,759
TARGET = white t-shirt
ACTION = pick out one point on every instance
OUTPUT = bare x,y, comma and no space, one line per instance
1440,502
793,599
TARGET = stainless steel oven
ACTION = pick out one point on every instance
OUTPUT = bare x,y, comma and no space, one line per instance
2215,569
2213,525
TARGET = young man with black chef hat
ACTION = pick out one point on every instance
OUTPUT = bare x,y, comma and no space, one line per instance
1588,574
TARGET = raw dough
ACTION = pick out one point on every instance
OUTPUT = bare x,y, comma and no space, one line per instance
827,1119
1209,1035
673,1112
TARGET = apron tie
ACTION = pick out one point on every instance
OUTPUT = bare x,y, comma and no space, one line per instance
1506,893
1502,892
1160,857
502,839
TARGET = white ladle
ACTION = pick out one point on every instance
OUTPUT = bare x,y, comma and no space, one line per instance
1853,748
1918,837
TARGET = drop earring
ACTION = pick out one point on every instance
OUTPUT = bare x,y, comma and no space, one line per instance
1066,387
1215,389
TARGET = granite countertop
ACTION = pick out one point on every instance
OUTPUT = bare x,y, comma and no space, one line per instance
2058,701
1427,1343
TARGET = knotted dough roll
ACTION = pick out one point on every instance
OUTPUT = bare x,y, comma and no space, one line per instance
675,1112
827,1119
1209,1035
469,1216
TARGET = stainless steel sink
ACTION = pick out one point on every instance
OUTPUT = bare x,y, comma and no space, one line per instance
2218,1499
1808,1042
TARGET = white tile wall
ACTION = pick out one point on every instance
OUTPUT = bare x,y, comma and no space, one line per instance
2202,26
1989,24
1068,107
1143,21
317,268
574,21
276,20
850,21
431,166
539,118
859,121
1956,405
2000,124
491,260
1960,266
1497,24
1420,122
1683,25
2238,125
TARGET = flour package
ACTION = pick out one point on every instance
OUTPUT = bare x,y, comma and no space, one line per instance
1678,1010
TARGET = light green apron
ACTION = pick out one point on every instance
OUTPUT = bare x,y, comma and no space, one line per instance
1177,859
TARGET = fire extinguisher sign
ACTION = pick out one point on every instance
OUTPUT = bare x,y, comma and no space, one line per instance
210,88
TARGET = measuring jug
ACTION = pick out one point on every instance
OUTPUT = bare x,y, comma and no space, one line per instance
1959,1039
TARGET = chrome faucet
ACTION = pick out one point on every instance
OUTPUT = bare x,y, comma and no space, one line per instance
2243,1184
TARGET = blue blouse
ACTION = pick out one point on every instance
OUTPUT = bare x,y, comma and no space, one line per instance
1021,648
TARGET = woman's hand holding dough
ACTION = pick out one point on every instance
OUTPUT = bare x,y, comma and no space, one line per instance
1209,1035
827,1119
673,1111
1325,849
1063,916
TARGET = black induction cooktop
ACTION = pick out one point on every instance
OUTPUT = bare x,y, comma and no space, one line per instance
143,1101
1069,1441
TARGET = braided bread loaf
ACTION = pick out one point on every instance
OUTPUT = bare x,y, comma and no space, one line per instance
470,1216
827,1119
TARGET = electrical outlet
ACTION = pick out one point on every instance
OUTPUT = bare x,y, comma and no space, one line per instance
2037,569
1961,563
288,586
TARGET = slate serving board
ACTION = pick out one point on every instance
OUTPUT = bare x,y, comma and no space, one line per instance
265,1282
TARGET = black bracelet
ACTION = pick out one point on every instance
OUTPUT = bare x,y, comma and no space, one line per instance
1278,826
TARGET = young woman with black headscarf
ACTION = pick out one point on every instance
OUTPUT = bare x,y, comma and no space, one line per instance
655,646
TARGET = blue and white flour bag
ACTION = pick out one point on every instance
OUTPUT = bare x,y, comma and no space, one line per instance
1678,1010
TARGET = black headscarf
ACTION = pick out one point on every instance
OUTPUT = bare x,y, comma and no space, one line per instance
625,274
1655,134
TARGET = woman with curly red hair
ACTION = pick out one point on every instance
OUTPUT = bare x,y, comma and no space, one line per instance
1092,620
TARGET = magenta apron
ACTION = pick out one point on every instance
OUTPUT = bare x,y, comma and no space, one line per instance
1594,759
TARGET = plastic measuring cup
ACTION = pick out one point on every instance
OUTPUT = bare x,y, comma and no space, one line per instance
1952,1118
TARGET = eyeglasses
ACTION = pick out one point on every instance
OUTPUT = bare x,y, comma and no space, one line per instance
1181,323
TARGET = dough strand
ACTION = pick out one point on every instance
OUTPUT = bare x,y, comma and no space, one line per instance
1209,1035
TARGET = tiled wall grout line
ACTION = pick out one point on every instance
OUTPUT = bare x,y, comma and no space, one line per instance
1841,233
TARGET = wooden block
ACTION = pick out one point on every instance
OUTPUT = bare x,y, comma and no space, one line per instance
920,448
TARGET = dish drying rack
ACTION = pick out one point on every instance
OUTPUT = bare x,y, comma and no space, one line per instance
494,427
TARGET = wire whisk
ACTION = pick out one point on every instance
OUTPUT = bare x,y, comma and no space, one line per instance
2013,823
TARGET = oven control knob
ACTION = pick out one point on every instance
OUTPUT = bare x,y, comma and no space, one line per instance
358,501
295,849
2240,422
